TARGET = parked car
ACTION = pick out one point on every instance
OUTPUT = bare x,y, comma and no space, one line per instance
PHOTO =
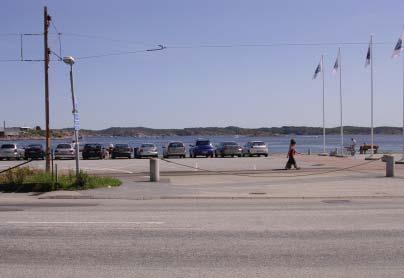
65,151
11,151
34,151
174,149
121,150
202,147
228,149
93,151
146,150
257,148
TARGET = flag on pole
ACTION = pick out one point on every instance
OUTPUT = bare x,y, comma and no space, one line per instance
399,46
317,71
336,65
367,63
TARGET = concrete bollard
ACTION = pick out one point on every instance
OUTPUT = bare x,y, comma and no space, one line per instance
154,169
390,165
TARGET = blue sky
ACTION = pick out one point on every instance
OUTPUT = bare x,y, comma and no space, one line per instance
186,86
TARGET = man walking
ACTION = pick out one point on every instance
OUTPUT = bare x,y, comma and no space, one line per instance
291,156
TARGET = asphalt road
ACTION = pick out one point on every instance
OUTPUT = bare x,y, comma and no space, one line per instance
202,238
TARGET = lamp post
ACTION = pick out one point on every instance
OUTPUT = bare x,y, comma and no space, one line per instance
70,61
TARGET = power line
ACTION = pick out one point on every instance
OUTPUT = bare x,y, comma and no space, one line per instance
24,60
107,39
112,54
275,44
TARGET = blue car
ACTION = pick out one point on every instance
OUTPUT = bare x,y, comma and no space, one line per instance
202,147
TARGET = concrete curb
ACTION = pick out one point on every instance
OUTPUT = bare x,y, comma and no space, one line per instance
145,198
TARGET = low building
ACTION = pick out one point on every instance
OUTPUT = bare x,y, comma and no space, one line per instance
10,131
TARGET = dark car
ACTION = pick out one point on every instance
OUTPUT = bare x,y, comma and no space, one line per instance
121,150
34,151
202,147
228,149
93,151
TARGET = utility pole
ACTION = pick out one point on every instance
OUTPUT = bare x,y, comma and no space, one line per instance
48,153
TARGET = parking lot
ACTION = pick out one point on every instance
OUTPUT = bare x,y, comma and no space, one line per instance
273,163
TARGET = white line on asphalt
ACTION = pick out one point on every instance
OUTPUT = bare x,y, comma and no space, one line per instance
7,166
108,169
86,222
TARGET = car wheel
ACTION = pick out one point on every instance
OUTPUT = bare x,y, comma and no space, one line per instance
266,155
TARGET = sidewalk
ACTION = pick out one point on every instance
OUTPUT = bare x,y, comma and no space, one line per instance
320,177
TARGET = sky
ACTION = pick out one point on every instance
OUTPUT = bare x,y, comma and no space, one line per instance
194,82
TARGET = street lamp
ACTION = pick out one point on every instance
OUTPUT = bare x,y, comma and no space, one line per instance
70,61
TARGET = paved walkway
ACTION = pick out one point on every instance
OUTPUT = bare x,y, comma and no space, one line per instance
328,177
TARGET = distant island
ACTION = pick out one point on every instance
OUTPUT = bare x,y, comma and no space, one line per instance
211,131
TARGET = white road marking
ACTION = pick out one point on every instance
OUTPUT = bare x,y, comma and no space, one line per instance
86,222
7,165
108,169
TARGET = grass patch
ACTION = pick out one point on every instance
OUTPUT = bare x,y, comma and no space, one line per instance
29,180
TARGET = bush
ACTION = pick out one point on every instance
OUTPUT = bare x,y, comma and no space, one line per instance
27,180
16,176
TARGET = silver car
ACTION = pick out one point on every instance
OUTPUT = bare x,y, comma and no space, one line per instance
257,148
11,151
146,150
65,151
174,149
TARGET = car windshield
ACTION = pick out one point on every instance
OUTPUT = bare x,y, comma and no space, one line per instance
229,144
121,146
92,146
35,146
203,143
64,146
148,146
258,143
176,145
8,146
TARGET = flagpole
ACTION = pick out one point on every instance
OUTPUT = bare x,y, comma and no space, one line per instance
371,94
402,159
340,99
322,73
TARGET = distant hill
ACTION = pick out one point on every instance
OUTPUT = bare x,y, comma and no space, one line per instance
230,130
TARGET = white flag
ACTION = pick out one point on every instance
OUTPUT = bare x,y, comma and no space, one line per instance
317,71
399,46
336,65
367,63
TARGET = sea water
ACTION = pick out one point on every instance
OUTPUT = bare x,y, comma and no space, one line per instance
276,144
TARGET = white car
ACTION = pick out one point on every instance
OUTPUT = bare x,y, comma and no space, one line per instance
146,150
257,148
174,149
65,151
11,151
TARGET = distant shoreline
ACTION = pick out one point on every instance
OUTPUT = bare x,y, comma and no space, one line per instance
141,132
